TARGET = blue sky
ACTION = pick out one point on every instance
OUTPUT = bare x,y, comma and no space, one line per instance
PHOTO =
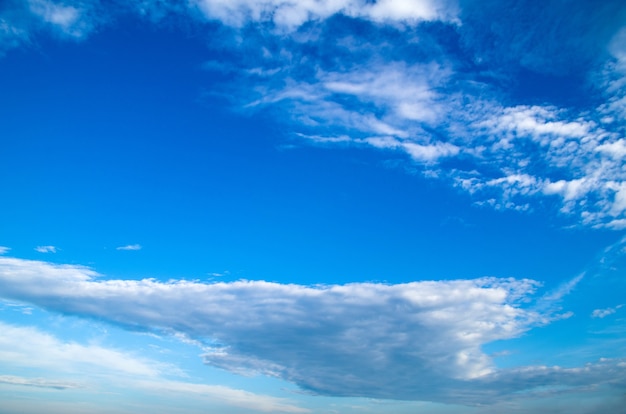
334,206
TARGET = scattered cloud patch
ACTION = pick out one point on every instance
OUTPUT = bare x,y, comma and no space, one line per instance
46,249
129,247
602,313
70,20
4,249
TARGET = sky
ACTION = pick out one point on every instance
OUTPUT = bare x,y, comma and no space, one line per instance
322,206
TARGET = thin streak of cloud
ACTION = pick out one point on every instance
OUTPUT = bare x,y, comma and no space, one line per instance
4,249
46,249
130,247
37,382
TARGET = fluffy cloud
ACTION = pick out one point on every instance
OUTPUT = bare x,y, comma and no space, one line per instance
425,337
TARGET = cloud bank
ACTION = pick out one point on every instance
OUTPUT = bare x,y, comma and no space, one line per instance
425,337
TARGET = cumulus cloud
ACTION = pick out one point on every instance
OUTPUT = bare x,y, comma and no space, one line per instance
46,249
129,247
424,336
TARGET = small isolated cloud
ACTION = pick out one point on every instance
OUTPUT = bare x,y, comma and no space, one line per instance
129,247
602,313
4,249
46,249
69,20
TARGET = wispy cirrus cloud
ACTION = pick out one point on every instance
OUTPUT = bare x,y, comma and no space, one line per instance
4,249
37,382
425,336
130,247
46,249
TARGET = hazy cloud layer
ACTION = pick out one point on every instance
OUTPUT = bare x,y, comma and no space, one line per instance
92,366
425,336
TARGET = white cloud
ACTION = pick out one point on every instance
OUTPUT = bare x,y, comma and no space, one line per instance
129,247
602,313
29,347
290,15
514,154
317,337
4,249
67,19
46,249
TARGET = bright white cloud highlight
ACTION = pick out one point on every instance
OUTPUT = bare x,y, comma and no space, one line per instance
46,249
290,15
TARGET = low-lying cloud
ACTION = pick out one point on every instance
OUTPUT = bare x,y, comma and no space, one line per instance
418,340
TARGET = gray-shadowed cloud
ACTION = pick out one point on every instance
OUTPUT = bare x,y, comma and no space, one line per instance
426,337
